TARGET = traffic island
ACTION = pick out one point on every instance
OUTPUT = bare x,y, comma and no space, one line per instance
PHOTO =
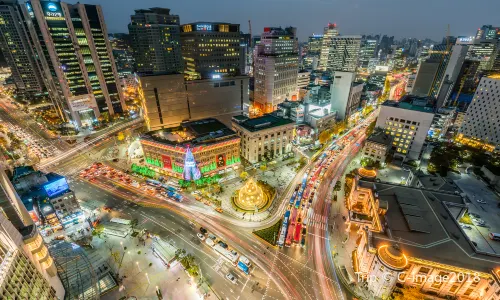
270,234
253,197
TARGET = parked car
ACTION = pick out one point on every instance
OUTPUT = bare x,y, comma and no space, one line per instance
465,226
201,236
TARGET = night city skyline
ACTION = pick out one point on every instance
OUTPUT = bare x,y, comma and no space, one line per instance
352,17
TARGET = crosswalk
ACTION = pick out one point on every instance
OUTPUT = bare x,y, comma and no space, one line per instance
318,221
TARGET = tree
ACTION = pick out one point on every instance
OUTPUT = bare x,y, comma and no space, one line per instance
244,175
324,136
338,186
371,128
263,167
387,90
98,230
120,136
408,293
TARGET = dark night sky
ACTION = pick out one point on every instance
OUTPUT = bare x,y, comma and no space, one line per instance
401,18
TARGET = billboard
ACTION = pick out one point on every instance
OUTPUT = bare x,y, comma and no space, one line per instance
221,160
167,162
56,187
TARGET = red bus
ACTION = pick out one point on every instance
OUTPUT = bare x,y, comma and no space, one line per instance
298,230
289,235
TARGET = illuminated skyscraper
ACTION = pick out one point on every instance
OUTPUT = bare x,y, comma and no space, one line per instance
276,67
367,51
212,50
155,39
15,46
329,32
343,53
76,58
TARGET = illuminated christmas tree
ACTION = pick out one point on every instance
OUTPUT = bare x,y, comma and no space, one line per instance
191,171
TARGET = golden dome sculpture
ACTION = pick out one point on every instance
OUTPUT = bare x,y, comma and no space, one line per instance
251,197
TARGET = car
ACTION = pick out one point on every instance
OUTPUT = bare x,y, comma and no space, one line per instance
200,236
465,226
231,278
219,210
406,169
474,215
203,230
478,222
481,201
212,237
222,244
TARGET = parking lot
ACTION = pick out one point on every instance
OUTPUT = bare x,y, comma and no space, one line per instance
483,206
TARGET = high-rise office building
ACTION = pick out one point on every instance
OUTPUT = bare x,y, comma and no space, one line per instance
155,40
488,32
315,43
276,67
486,52
329,32
367,51
481,127
28,270
430,73
19,55
345,94
212,50
76,58
450,76
343,53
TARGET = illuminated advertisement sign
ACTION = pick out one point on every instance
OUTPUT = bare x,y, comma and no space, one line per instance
52,10
167,162
204,27
56,187
465,40
221,160
216,76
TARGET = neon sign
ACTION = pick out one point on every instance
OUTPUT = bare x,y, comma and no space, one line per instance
53,10
52,7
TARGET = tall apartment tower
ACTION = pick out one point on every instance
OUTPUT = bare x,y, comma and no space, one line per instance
343,53
76,58
212,50
155,39
276,67
19,55
329,32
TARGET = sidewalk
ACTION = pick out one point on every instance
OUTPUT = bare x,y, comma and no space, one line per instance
143,272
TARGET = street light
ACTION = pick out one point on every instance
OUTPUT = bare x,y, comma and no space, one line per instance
137,263
121,243
147,277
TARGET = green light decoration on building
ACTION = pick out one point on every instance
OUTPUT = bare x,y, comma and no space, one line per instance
200,182
143,170
177,168
154,162
233,160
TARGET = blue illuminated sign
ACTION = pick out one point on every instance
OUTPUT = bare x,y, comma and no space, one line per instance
56,187
204,27
28,7
52,7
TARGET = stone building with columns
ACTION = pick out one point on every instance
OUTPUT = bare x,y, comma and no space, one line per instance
414,240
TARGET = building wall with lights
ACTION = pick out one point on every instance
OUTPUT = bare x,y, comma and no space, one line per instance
212,49
481,125
266,137
214,151
408,124
168,100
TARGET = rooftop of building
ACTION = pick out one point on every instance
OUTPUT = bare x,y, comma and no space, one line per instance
192,133
411,102
265,122
380,138
424,225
